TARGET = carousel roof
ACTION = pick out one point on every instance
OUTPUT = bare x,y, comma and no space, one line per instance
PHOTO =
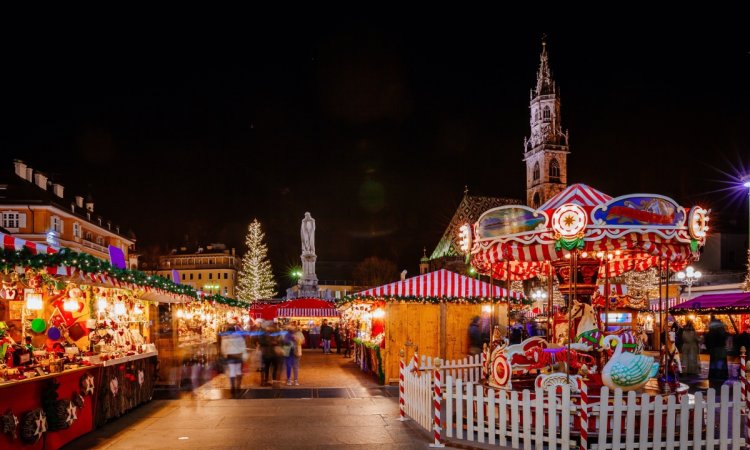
577,194
441,283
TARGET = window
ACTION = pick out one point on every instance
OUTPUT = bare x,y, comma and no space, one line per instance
226,291
183,277
546,113
210,276
12,220
89,236
535,202
76,230
554,170
536,173
191,276
100,240
56,224
225,275
200,276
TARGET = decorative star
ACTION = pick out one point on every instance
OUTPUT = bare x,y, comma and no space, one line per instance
71,413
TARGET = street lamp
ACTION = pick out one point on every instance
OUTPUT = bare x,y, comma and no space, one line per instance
539,296
689,276
746,183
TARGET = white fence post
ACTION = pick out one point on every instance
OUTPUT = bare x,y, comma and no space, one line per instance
437,426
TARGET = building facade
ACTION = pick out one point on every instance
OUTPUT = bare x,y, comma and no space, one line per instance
212,269
34,208
546,150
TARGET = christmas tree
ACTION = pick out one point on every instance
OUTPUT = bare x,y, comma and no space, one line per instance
643,284
746,284
255,279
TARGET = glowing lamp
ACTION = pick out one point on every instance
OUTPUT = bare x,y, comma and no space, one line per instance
584,254
101,304
34,301
120,309
137,310
189,316
180,314
486,308
70,305
746,184
600,255
378,313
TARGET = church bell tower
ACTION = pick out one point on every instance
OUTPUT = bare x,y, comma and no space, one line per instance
546,150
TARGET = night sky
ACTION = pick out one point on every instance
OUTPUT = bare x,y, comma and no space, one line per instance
374,126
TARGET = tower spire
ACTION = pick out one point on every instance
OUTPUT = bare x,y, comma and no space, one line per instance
544,83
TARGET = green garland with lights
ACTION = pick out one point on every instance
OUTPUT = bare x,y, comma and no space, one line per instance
436,300
10,259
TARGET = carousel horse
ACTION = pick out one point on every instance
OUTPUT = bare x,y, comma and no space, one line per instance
589,333
550,357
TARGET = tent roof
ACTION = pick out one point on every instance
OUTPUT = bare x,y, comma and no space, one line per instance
734,303
307,307
441,283
579,194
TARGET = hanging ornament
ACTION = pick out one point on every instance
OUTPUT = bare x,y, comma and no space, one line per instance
114,386
33,426
9,290
9,424
87,384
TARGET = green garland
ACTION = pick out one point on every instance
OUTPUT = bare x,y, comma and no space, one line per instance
10,259
436,300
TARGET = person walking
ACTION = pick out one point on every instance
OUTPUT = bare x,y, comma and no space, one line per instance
270,348
716,344
294,339
232,348
348,337
689,349
475,337
326,333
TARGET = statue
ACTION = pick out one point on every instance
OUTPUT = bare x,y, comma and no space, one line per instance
308,235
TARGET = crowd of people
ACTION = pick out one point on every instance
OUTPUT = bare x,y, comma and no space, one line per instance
268,348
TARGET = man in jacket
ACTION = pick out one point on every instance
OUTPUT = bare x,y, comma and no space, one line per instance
326,333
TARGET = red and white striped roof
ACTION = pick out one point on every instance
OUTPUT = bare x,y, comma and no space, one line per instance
12,243
441,283
579,194
307,307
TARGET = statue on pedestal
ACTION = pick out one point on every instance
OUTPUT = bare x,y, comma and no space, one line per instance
309,281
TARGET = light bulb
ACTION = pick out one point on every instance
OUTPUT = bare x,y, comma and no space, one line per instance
120,308
70,305
697,274
680,275
101,304
34,301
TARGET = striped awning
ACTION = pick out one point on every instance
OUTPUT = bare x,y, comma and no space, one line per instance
307,307
579,194
441,283
13,243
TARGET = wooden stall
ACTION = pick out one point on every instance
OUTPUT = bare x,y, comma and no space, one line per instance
430,313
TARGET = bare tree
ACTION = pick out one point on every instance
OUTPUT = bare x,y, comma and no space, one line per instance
374,271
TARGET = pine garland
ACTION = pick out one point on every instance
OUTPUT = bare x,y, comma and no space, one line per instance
435,300
256,278
88,264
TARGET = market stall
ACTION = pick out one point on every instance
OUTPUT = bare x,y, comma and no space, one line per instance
731,308
431,312
308,312
76,341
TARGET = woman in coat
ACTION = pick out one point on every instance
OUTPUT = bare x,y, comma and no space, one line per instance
689,350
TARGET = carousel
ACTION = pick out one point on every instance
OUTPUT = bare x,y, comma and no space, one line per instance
579,241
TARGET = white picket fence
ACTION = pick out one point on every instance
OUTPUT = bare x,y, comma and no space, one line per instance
548,419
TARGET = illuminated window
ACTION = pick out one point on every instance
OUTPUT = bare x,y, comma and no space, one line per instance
536,172
76,230
89,236
100,240
546,113
11,220
554,170
56,224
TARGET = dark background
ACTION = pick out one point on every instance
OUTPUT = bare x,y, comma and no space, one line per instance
372,124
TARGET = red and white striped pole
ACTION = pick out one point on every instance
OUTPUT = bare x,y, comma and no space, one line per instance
437,426
401,398
584,416
743,389
415,368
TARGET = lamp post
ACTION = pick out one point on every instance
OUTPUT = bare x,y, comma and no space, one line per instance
746,183
689,276
539,296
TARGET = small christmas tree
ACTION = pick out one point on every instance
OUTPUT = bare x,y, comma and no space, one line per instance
746,284
643,284
255,278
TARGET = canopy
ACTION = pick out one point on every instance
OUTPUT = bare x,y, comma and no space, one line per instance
265,311
441,283
639,231
307,307
12,243
735,303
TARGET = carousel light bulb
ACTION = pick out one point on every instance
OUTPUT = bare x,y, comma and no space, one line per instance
180,314
610,256
120,309
567,256
600,255
101,304
617,252
34,301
